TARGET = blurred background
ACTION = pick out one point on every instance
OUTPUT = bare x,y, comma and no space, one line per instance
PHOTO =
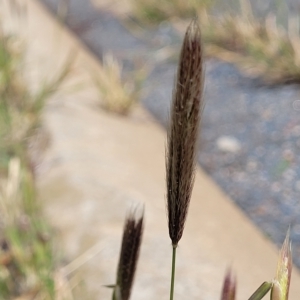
251,123
250,131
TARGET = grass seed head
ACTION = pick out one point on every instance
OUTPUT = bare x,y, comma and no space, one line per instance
229,287
281,283
183,132
131,242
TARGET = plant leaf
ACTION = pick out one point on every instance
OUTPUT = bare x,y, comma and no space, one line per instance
261,291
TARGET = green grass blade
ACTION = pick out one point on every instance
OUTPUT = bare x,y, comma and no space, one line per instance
261,291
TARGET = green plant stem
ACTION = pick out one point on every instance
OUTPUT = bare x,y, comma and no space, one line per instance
173,271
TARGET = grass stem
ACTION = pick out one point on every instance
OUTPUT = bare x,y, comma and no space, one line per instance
173,271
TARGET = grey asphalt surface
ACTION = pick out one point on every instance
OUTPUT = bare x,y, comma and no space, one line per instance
261,171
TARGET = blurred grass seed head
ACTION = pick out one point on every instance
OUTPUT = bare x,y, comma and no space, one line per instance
131,242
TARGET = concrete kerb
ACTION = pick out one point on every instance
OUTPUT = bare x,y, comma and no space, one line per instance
98,164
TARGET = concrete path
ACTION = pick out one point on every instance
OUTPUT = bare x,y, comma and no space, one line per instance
98,164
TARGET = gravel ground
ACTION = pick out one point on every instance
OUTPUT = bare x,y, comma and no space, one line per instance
250,133
249,144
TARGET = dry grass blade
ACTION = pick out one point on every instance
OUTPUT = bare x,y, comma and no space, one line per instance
229,287
183,132
131,242
117,95
151,11
10,194
260,48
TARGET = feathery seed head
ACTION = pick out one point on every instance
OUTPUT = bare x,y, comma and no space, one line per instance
131,241
183,132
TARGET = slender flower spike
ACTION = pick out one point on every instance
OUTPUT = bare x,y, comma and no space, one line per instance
281,283
229,287
183,132
132,237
